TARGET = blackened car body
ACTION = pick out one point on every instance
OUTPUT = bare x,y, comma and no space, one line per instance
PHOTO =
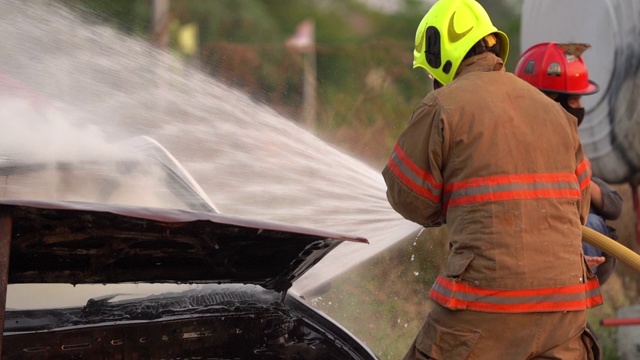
131,260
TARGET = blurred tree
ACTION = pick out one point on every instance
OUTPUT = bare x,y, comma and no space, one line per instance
130,16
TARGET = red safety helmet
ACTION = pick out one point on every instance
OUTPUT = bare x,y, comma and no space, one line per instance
556,68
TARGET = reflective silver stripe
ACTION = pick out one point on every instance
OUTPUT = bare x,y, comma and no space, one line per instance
516,186
582,176
415,178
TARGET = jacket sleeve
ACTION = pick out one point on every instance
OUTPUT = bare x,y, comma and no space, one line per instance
413,174
611,199
583,173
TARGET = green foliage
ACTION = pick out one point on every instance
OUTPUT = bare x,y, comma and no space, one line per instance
130,16
246,21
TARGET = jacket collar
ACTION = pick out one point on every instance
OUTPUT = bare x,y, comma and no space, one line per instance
487,61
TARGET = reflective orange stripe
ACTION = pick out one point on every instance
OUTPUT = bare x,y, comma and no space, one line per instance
489,188
414,177
511,187
582,174
459,296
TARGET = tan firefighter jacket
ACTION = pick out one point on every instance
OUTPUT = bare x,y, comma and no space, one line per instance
502,165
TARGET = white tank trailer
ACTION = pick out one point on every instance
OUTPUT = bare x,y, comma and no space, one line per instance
611,130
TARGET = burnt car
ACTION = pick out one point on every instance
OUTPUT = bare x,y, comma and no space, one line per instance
92,274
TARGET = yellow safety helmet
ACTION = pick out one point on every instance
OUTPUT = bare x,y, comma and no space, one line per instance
447,32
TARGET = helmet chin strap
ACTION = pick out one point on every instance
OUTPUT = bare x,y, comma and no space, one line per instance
437,84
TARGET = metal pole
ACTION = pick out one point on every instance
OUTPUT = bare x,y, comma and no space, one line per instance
303,41
160,35
309,91
620,322
5,250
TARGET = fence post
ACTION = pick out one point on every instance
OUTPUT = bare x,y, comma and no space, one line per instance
303,41
160,35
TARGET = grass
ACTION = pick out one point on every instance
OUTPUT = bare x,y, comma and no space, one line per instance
384,302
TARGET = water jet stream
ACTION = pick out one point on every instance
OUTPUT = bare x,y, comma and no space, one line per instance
252,162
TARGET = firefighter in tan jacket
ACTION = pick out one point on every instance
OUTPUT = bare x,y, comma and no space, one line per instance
502,165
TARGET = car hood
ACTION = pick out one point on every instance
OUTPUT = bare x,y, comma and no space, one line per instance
94,243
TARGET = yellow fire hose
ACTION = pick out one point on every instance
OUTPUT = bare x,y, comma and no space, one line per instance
611,247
